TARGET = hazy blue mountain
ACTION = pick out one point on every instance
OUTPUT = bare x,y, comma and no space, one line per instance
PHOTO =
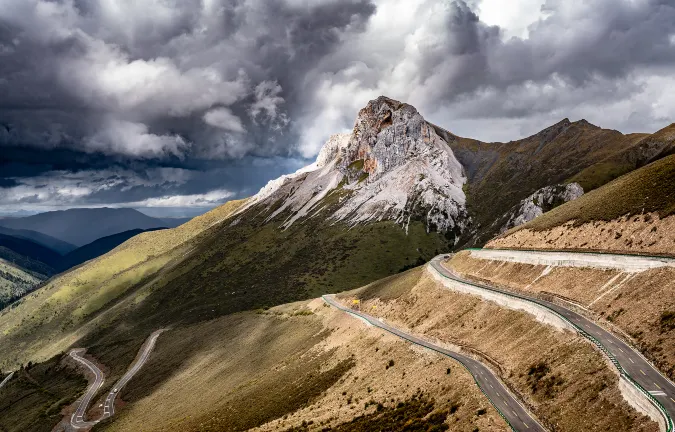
83,226
42,239
31,250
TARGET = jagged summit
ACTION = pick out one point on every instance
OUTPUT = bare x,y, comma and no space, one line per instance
393,166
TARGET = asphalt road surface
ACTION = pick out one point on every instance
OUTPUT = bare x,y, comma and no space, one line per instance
109,405
7,378
77,419
630,360
514,413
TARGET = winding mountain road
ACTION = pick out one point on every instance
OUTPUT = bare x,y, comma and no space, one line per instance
7,378
630,363
506,404
77,419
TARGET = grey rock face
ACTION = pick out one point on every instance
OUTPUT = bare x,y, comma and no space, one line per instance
393,166
399,168
538,203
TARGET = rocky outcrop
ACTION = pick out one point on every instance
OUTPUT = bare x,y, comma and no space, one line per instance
393,166
538,203
403,170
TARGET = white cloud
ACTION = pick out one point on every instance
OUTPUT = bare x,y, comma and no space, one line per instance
267,104
224,119
208,199
119,136
513,16
107,78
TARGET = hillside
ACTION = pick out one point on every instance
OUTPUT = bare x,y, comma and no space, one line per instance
306,366
24,264
564,381
75,225
95,249
31,250
500,175
301,366
15,281
378,201
52,243
632,213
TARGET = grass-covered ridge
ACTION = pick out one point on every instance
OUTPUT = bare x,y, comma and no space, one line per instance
648,189
15,281
500,175
212,266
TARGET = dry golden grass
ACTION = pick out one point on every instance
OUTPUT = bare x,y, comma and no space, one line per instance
302,362
641,234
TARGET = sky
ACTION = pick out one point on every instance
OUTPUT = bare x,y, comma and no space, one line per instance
175,106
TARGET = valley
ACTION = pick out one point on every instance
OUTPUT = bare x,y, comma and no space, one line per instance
251,345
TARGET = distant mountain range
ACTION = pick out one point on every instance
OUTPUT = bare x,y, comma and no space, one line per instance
36,247
82,226
52,243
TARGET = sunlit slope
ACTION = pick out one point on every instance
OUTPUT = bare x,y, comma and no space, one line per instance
48,320
648,189
210,267
15,281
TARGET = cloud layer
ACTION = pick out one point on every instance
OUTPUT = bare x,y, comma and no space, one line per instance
214,87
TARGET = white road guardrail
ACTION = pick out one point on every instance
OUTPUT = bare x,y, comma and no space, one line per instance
622,372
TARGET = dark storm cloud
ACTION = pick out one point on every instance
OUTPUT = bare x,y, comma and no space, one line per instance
95,78
136,101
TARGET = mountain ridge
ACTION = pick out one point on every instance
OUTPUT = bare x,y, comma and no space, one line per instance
285,243
75,225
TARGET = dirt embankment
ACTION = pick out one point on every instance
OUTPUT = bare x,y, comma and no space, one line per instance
638,306
566,382
645,233
303,366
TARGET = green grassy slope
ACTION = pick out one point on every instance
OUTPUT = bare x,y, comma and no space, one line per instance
502,174
646,150
204,269
15,282
648,189
95,249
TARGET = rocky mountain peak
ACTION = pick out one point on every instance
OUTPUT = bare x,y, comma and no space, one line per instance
393,166
386,134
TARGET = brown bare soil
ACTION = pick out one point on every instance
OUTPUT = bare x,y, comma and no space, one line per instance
645,234
639,307
567,384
